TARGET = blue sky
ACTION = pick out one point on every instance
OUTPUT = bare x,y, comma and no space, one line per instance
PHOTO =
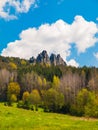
68,27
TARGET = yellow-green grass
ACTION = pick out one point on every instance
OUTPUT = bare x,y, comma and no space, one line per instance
12,118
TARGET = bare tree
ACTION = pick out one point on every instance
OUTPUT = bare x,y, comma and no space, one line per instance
5,76
70,85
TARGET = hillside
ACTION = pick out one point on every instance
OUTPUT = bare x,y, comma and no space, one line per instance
54,87
12,118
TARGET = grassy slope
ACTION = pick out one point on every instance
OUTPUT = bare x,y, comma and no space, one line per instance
12,118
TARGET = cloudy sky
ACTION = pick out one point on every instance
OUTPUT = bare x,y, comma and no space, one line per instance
65,27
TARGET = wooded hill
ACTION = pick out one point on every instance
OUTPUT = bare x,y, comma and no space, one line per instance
52,86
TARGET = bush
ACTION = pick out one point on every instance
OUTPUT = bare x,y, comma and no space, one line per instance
53,100
32,107
91,109
20,104
46,109
5,104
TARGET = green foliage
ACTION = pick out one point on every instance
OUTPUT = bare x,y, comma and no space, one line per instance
30,99
58,88
20,104
39,80
47,72
12,118
91,109
53,100
86,104
35,98
56,82
13,65
13,88
13,91
23,62
44,83
83,98
25,103
13,98
25,96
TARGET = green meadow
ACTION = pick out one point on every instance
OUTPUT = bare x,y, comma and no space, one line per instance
12,118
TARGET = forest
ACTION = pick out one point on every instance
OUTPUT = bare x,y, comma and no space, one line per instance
59,89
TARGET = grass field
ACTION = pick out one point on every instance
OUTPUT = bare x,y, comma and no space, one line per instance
12,118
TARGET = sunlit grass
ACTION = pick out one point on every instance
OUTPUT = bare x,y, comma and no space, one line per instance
12,118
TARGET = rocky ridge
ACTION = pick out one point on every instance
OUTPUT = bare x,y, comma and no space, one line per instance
43,58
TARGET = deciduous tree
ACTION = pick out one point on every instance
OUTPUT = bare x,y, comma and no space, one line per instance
13,89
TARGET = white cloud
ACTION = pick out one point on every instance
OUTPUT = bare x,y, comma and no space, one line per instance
82,33
20,6
72,62
57,37
96,55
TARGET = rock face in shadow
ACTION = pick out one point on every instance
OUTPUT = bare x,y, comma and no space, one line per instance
32,60
53,59
59,60
43,58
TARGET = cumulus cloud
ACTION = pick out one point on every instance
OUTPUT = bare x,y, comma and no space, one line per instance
96,55
57,37
20,6
72,62
83,33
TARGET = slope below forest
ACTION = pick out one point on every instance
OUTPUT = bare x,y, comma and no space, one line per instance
12,118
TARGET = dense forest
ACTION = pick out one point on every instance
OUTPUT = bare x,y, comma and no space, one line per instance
55,88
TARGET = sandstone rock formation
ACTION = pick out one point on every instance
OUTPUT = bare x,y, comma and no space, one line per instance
43,58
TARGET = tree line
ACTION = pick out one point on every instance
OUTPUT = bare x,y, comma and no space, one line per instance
62,89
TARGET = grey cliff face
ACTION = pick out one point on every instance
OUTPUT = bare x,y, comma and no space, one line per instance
59,60
32,60
53,59
43,58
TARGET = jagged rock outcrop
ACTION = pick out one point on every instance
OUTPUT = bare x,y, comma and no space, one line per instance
53,59
32,60
43,58
59,60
